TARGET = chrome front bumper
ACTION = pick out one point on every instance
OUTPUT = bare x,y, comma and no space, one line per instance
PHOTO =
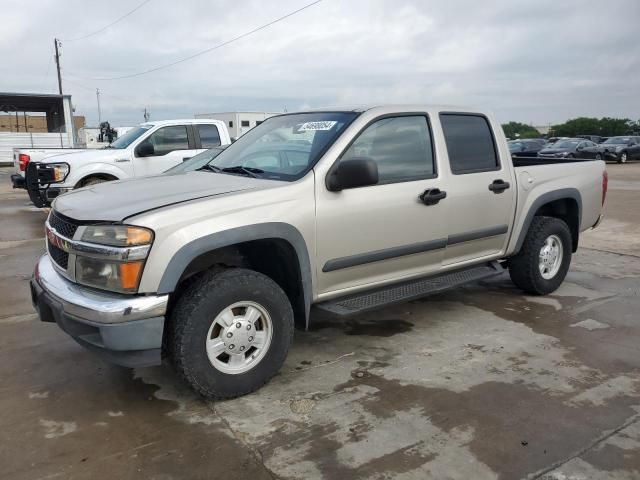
126,329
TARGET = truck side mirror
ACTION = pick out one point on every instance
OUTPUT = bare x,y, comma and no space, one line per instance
145,149
352,173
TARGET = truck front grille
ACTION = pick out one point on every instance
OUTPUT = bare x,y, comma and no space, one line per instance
63,225
58,255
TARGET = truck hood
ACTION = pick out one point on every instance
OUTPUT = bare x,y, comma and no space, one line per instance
115,201
87,156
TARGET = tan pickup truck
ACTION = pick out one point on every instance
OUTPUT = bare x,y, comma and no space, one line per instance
341,210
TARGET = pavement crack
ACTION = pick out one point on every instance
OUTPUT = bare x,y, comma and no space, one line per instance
625,254
598,440
255,453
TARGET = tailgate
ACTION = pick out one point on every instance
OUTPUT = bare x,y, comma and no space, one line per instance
16,162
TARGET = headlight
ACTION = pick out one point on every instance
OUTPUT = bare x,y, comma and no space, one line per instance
107,275
117,235
111,257
60,171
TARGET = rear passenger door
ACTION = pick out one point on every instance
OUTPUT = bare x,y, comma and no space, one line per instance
480,190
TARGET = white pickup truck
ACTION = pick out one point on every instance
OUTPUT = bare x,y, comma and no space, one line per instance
149,149
342,210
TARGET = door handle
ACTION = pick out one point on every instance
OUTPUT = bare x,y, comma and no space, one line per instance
499,186
432,196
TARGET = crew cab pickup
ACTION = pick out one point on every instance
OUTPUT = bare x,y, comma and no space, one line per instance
339,210
149,149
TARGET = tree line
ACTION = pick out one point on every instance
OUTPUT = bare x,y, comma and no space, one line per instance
605,127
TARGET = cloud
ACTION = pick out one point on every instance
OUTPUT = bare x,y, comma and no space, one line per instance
537,61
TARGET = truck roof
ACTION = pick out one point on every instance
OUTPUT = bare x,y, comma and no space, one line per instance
394,108
181,120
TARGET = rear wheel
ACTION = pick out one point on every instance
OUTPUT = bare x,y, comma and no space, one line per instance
230,332
622,158
543,261
598,156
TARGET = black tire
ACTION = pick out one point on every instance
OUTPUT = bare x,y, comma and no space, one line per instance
623,157
598,156
524,267
194,313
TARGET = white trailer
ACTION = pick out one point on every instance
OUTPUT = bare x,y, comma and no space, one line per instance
238,123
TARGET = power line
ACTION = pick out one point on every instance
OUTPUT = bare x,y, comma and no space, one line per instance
109,25
102,93
202,52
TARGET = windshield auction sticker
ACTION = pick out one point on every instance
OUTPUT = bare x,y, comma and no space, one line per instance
328,125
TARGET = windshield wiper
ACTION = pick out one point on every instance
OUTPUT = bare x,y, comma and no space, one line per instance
247,171
211,168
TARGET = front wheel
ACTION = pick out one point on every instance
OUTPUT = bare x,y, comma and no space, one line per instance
598,156
230,332
543,261
622,158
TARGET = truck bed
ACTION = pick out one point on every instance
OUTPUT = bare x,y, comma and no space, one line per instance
528,161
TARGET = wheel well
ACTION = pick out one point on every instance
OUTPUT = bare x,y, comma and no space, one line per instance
273,257
567,210
101,176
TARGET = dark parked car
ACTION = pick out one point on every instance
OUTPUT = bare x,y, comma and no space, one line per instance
571,148
621,149
593,138
526,147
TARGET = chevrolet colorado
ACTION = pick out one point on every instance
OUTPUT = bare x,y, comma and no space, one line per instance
345,211
148,149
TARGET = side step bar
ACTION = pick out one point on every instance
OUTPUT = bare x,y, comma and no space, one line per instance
405,291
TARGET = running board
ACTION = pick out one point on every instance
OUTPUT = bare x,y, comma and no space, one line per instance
405,291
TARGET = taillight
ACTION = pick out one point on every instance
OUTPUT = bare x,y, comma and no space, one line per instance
23,159
605,185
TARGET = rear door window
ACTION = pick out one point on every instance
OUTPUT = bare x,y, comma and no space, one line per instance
209,136
470,143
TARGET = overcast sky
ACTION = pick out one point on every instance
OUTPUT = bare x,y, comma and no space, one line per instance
536,61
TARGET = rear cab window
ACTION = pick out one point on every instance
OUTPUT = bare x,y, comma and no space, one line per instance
470,143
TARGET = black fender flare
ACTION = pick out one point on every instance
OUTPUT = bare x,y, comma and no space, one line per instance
563,193
260,231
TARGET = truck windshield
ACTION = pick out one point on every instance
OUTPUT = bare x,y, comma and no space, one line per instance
129,137
284,147
197,161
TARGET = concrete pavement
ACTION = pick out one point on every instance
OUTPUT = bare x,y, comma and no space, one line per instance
481,382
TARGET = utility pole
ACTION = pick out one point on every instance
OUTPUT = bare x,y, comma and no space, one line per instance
98,98
147,115
56,43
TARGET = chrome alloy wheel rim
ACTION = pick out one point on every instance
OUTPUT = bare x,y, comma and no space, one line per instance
550,258
239,337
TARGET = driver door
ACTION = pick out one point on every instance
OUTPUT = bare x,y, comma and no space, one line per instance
171,145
